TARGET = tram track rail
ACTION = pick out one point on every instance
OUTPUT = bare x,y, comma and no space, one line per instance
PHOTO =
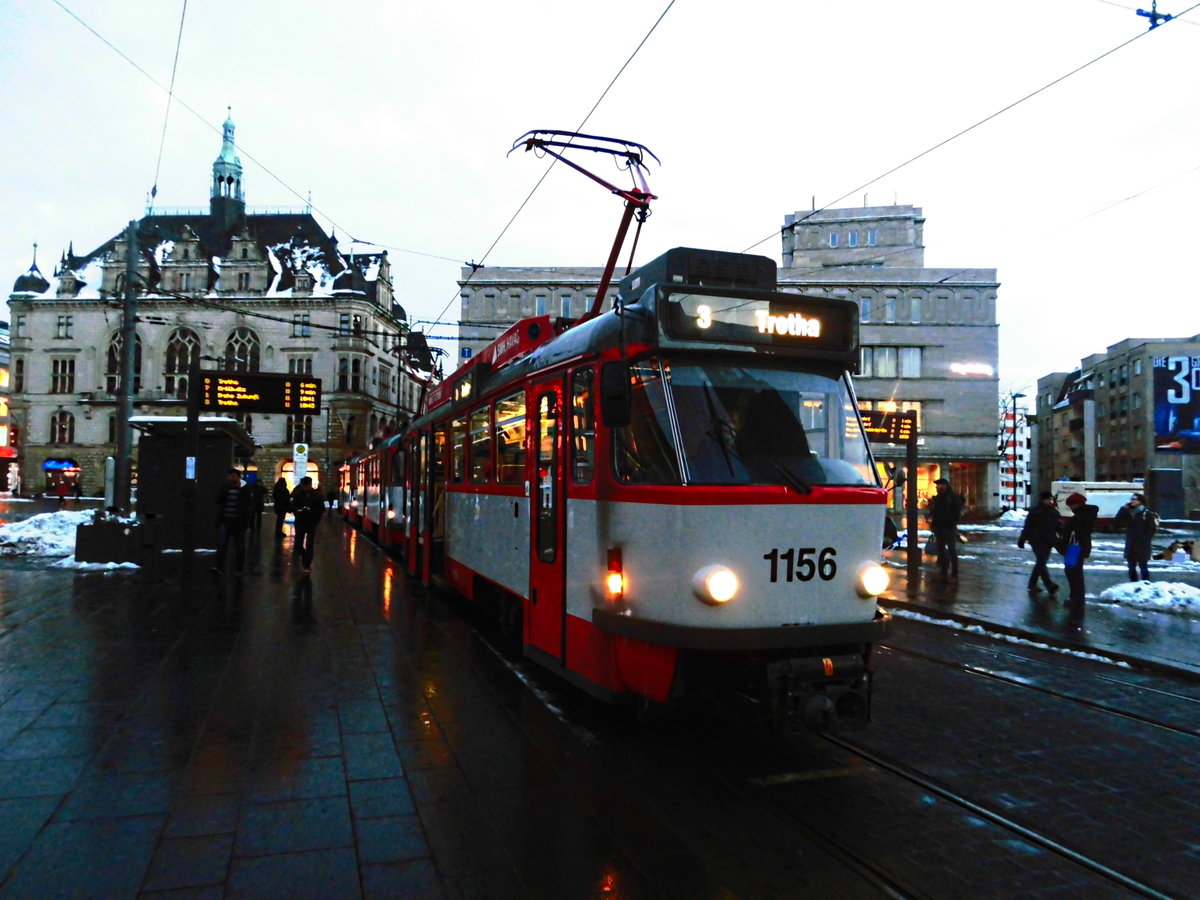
1050,844
1099,705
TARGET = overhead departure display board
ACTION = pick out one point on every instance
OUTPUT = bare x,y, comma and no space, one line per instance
237,392
889,427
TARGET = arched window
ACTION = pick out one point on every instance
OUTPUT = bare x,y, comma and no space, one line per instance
62,428
183,349
350,427
299,429
241,350
112,371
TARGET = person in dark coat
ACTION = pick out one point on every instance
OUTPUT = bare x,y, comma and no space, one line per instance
1140,526
282,498
1077,529
307,507
258,499
233,512
945,509
1041,532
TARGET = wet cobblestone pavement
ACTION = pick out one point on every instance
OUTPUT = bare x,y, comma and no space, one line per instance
172,733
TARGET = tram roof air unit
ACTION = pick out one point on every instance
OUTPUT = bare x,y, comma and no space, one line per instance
708,268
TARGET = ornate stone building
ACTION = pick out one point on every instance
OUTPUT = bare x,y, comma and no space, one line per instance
225,288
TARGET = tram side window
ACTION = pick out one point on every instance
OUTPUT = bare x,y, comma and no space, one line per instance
458,440
481,445
644,451
583,427
510,439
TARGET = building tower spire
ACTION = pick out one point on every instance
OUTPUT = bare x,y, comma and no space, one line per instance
228,203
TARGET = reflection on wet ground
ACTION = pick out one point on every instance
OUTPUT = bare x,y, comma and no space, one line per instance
333,734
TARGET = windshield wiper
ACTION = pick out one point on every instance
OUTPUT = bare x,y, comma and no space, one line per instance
719,429
793,480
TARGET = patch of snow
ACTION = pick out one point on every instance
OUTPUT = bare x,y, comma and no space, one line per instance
1160,596
46,534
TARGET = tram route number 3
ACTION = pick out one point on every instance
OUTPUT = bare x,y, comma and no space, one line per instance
802,564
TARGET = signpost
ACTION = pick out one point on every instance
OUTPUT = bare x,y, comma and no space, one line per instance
901,428
299,461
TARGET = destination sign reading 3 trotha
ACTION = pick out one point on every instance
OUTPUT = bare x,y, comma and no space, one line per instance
258,392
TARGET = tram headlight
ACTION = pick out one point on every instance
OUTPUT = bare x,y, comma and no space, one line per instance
715,584
872,580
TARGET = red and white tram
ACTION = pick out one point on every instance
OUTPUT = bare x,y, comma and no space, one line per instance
674,495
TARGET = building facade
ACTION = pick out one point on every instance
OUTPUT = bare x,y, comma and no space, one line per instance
10,473
1016,453
929,335
1131,413
222,288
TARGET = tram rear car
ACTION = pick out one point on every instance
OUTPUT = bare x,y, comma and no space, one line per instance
676,495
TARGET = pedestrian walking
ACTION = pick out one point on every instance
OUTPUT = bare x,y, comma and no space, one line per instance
945,509
61,490
1041,532
1076,545
1140,524
233,509
307,507
282,498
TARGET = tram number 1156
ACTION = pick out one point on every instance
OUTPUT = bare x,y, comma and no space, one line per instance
802,564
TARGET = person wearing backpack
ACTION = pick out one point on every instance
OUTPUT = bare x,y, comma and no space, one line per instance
1140,524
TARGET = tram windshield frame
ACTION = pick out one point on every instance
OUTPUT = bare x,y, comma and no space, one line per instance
701,419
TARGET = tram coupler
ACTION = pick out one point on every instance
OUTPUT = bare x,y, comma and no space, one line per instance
820,693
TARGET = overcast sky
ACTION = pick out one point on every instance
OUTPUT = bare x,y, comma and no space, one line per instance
397,117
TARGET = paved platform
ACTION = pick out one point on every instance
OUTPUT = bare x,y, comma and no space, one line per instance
167,732
1000,603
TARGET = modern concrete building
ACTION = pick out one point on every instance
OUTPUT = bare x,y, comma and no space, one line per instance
223,288
1128,414
929,335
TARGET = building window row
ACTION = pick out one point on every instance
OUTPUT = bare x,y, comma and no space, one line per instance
852,236
891,362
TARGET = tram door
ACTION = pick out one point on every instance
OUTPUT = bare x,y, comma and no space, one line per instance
417,476
547,564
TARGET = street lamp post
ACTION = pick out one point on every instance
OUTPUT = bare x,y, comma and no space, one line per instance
1014,397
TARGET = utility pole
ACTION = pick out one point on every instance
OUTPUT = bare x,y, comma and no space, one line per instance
122,472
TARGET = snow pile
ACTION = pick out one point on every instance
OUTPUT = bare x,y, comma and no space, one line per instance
46,534
1160,596
1012,517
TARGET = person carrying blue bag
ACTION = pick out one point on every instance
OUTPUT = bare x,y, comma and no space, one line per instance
1077,544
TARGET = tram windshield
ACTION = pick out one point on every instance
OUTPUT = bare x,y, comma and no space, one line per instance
725,422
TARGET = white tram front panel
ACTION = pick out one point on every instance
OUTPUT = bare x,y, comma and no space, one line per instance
796,565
